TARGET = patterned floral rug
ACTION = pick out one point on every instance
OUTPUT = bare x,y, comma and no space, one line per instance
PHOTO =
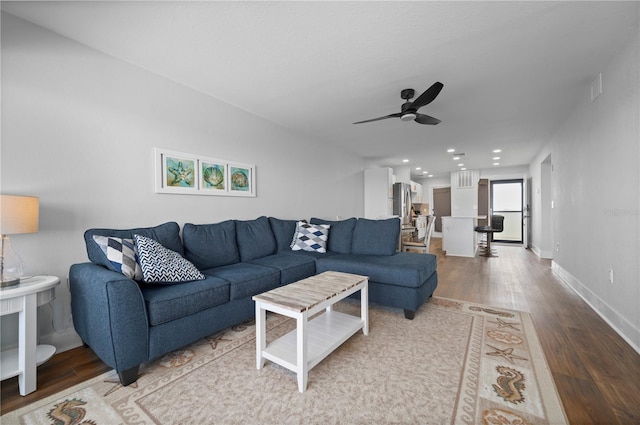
456,362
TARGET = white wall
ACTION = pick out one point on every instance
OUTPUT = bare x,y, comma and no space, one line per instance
595,190
79,128
505,173
464,201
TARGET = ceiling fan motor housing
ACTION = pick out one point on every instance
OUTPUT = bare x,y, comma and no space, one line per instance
407,94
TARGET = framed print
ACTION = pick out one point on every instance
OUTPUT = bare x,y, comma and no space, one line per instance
185,173
213,176
176,172
241,179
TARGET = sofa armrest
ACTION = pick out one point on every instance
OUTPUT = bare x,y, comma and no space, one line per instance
109,314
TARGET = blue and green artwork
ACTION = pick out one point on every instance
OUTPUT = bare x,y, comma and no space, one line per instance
240,179
213,176
180,172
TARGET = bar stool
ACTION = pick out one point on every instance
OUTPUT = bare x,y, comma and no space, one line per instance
497,226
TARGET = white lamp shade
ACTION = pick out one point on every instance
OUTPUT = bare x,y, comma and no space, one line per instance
19,214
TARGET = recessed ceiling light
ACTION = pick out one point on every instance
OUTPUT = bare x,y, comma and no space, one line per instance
464,168
455,158
496,163
451,150
405,160
424,172
497,150
460,165
418,168
430,175
495,158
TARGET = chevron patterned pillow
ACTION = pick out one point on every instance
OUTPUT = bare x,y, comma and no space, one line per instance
160,264
310,237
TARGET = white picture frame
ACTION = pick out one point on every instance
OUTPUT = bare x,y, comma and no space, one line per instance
176,172
190,174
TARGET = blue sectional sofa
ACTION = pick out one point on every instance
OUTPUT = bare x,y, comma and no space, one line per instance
128,322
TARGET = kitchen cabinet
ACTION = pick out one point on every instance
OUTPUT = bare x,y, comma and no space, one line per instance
416,193
378,193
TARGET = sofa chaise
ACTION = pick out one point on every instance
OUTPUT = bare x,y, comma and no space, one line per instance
128,321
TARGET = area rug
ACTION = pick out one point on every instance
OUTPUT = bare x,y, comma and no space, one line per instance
455,363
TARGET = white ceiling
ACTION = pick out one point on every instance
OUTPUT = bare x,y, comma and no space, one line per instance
512,71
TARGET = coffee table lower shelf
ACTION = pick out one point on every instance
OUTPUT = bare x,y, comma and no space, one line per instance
326,332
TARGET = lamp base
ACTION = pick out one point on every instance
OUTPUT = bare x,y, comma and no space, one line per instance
11,268
7,283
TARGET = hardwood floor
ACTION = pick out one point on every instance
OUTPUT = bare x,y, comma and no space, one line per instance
596,372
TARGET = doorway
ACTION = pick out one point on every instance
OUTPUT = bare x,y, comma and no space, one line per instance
506,200
441,205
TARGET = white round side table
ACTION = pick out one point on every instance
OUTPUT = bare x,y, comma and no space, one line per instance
24,299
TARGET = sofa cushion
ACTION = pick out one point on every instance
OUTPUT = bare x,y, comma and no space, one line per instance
162,265
255,238
122,255
166,303
168,234
400,269
376,237
246,279
211,245
341,235
310,237
292,267
283,231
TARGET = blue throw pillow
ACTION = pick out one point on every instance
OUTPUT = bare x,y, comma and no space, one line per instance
122,255
311,237
162,265
211,245
376,237
255,239
341,234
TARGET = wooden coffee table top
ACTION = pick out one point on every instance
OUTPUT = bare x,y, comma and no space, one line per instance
307,293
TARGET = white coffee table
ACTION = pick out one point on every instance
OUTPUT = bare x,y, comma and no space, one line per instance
312,340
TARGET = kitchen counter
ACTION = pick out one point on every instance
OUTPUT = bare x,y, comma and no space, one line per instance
459,237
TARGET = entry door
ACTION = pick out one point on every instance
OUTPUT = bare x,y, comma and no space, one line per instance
507,200
441,205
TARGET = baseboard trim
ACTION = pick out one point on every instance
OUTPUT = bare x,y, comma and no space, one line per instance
618,323
546,254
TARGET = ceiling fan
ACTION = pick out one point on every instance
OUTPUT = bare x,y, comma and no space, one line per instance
409,109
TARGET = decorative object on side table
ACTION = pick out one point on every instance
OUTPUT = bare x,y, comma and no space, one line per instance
19,215
24,299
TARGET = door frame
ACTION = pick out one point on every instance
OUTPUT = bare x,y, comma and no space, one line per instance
522,197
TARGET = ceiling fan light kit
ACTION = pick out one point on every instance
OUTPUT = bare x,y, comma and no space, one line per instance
408,116
409,110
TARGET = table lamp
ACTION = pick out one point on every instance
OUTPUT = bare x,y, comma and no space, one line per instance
19,214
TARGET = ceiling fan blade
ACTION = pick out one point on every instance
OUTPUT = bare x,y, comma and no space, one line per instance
426,119
381,118
428,96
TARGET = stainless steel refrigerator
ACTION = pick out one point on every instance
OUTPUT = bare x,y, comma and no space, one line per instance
402,202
